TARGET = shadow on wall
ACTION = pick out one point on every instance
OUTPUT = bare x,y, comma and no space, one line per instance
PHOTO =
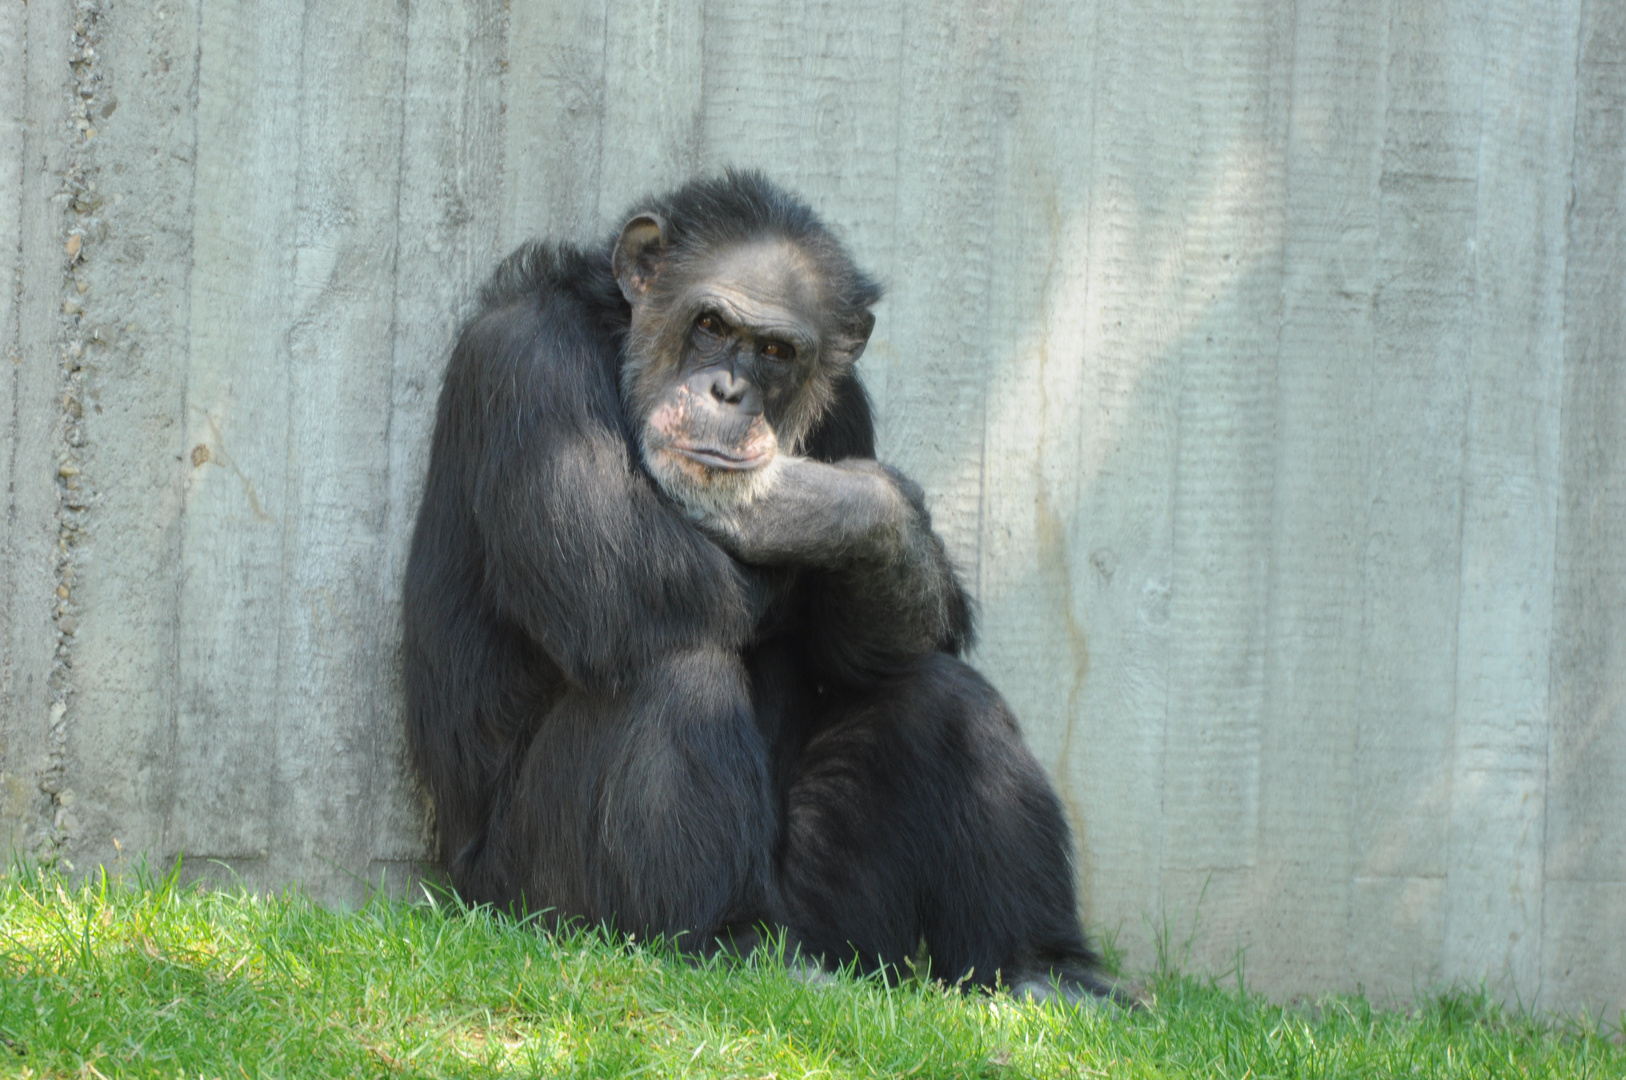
1192,512
1127,479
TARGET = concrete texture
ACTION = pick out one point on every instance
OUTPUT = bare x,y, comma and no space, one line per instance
1263,360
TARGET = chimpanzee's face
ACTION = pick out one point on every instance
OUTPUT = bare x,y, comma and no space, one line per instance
723,368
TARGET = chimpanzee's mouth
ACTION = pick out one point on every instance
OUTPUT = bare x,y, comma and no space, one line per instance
713,458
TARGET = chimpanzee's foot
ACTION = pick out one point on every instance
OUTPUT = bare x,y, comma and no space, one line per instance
1079,989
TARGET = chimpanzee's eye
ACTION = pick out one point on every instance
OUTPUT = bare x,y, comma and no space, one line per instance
778,350
710,323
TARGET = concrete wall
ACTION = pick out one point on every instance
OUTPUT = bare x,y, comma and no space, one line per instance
1263,360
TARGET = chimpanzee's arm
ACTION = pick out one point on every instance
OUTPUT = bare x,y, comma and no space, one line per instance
878,586
578,548
878,580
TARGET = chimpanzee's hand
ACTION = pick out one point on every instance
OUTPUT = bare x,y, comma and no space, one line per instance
818,514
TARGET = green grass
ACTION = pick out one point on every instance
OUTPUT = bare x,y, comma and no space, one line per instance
165,981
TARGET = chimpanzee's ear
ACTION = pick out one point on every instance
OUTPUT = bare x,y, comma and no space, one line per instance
849,344
638,255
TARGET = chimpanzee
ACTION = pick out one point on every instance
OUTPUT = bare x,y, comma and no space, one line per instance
680,655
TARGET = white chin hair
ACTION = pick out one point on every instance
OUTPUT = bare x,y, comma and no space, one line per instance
709,494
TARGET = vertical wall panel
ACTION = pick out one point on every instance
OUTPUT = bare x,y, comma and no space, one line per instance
1229,295
1588,760
224,738
338,359
1585,848
1423,307
1323,398
1225,316
32,727
1510,500
554,81
654,88
134,270
20,634
1128,441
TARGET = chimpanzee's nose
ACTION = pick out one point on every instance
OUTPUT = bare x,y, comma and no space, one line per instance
727,388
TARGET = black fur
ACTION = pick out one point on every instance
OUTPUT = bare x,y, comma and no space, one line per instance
618,720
